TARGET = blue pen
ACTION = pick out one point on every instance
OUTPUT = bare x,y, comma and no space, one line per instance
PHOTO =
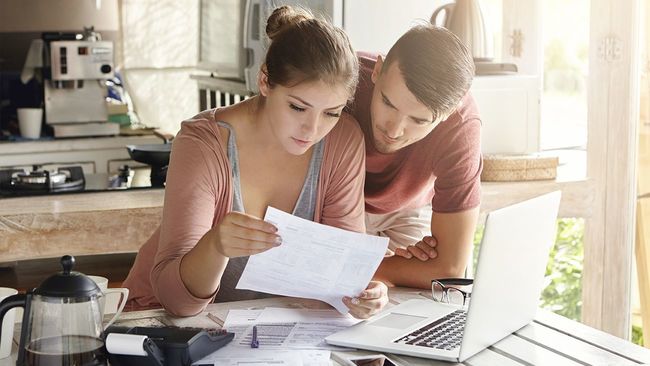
254,342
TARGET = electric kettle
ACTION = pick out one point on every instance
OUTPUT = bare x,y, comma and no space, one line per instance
465,20
62,320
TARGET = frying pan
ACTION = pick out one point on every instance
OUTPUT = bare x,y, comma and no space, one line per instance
156,155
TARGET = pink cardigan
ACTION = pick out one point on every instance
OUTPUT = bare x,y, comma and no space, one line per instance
199,194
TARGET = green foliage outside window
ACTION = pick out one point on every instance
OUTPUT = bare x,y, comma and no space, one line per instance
637,335
563,283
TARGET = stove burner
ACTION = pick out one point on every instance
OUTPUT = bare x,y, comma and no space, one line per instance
64,179
40,177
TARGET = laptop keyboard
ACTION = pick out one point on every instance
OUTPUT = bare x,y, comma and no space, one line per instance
444,333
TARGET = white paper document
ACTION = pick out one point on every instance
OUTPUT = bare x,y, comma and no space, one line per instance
290,336
279,328
280,345
284,315
239,317
314,261
229,356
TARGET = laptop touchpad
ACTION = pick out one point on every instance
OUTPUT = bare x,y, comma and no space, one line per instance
397,321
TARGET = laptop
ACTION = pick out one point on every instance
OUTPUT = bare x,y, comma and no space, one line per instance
508,281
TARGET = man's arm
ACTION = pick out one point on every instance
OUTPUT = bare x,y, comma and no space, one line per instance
454,233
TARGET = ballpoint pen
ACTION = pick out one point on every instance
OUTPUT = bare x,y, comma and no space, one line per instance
254,342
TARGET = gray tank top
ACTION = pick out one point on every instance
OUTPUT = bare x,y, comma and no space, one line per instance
305,208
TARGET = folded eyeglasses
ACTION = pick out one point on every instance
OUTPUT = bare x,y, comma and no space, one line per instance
444,290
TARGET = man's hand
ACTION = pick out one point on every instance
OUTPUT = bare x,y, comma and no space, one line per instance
452,235
423,250
371,301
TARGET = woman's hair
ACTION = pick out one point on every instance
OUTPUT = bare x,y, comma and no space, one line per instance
307,49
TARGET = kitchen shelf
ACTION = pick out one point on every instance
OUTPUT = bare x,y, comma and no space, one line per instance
94,154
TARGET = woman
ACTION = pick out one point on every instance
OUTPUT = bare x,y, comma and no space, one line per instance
228,165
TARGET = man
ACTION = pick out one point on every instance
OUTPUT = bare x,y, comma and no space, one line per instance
423,164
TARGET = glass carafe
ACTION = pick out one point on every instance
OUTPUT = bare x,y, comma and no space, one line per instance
62,324
65,331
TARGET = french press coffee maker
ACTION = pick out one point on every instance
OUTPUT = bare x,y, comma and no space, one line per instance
62,321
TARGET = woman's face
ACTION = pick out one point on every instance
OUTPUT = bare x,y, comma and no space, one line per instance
303,114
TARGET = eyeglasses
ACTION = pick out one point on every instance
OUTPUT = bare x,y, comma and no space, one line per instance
442,290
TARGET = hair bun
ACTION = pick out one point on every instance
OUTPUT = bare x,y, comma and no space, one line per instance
284,17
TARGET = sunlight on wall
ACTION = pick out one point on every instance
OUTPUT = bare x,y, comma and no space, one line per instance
159,52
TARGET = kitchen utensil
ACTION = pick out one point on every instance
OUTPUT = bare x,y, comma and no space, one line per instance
156,155
465,20
152,154
62,320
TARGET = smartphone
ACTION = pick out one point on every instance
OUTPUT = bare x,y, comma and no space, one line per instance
369,360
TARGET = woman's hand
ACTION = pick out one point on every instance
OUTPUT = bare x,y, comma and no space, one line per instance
240,235
371,301
423,250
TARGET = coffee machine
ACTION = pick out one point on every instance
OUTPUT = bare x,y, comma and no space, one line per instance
76,67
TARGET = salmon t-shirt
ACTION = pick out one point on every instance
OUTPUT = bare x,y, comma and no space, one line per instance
444,168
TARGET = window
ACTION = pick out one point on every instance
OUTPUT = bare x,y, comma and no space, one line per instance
565,33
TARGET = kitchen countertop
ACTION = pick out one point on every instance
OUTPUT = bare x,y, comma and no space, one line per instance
121,221
77,224
576,201
83,202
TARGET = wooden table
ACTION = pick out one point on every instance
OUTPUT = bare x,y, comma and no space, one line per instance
549,340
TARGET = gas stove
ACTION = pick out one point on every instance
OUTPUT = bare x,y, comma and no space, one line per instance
70,179
38,181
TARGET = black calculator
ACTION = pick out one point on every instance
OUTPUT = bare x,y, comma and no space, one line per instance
170,346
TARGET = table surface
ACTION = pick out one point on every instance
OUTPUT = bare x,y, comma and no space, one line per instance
549,340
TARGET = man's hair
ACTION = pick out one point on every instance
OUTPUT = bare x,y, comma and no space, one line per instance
436,66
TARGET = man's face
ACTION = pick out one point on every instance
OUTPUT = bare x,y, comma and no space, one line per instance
398,118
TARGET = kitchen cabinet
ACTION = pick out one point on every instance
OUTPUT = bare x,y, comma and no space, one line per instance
95,155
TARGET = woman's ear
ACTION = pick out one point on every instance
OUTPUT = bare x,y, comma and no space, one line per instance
263,81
